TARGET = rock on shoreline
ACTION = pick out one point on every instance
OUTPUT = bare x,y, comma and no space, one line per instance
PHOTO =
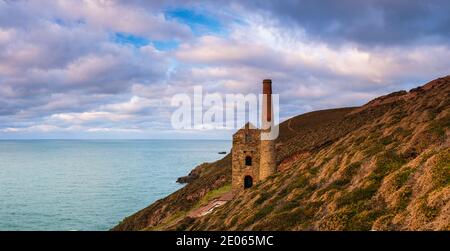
187,179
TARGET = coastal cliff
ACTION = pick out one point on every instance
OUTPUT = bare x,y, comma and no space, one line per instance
382,166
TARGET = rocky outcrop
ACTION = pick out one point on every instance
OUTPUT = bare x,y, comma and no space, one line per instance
194,174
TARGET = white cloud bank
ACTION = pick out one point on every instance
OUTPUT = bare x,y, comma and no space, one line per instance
63,71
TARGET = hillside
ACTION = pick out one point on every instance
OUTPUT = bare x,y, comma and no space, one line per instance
381,166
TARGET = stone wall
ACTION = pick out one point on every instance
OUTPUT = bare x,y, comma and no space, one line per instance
246,142
267,159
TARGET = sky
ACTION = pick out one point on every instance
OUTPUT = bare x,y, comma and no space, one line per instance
103,69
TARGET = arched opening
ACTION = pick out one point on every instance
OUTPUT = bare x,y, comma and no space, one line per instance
248,181
248,161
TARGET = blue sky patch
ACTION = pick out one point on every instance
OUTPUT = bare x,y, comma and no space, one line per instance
165,45
68,23
200,22
124,38
138,41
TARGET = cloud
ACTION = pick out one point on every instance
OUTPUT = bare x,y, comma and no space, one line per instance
100,15
35,128
89,116
54,62
261,49
368,23
74,68
308,74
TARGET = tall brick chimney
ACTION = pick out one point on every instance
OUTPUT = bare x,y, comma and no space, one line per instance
267,105
267,160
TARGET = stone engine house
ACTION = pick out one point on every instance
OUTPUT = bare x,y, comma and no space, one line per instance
253,159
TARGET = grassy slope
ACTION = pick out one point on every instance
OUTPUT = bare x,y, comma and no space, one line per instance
383,166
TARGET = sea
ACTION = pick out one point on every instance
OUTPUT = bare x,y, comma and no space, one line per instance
77,185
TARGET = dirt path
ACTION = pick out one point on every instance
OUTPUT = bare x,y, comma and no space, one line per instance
208,208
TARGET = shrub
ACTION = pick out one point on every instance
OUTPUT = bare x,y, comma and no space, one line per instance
373,149
400,131
401,178
346,178
386,140
441,170
438,126
338,184
351,169
263,196
289,206
359,194
300,182
405,198
385,164
429,212
263,212
363,221
314,170
234,220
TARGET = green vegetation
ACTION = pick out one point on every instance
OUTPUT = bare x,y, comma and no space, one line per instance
169,221
428,212
345,178
400,131
360,140
358,200
402,177
234,220
373,149
441,170
352,219
291,215
213,194
262,197
314,170
184,224
331,171
339,150
425,156
359,194
289,205
259,215
263,212
351,170
397,117
358,208
300,182
326,160
386,163
386,140
405,198
283,192
338,184
438,126
363,221
307,191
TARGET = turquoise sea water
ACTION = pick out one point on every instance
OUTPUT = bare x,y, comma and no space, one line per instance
91,184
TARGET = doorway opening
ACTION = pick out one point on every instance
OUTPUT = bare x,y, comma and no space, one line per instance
248,181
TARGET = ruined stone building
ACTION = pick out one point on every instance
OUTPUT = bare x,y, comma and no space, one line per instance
253,158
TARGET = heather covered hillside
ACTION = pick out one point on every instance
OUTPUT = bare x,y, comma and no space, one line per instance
382,166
